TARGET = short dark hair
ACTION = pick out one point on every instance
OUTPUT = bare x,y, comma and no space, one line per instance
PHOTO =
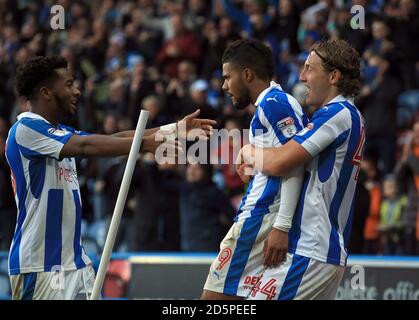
252,54
338,54
36,72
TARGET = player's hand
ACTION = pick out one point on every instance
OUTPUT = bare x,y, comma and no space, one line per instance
243,169
152,142
245,156
248,154
245,172
191,126
275,248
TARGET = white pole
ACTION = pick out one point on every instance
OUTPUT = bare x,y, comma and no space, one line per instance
120,204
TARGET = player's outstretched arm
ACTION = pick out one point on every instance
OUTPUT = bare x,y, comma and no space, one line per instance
275,161
190,124
107,146
130,133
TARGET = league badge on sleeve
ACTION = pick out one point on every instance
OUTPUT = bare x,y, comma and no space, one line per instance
306,129
57,132
287,127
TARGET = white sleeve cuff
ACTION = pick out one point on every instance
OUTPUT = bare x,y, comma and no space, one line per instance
290,193
172,127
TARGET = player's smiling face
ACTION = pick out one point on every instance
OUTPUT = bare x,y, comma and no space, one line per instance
234,86
65,92
316,78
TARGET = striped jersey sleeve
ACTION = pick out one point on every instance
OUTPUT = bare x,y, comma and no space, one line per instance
77,132
327,125
278,114
37,138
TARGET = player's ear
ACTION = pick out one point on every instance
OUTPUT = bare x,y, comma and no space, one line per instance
46,93
248,74
335,76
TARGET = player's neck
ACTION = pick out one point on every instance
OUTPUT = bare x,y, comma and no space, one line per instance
257,88
332,94
46,112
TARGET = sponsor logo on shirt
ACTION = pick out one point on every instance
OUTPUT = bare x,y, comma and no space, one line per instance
68,175
251,280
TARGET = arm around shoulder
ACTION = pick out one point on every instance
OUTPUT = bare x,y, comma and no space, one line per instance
279,161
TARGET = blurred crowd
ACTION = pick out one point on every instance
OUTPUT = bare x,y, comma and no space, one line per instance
165,56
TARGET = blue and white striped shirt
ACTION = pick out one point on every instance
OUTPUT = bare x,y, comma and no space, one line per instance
277,119
47,195
335,138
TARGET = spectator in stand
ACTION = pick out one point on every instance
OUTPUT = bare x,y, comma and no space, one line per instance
141,86
155,222
178,88
251,19
361,208
378,103
200,12
404,22
156,117
198,98
141,39
372,184
215,38
184,45
7,204
225,153
117,97
205,211
391,214
381,44
160,18
407,171
285,24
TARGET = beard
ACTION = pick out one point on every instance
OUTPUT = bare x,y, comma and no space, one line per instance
243,100
63,105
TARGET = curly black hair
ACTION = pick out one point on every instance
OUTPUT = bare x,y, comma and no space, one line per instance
37,72
252,54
